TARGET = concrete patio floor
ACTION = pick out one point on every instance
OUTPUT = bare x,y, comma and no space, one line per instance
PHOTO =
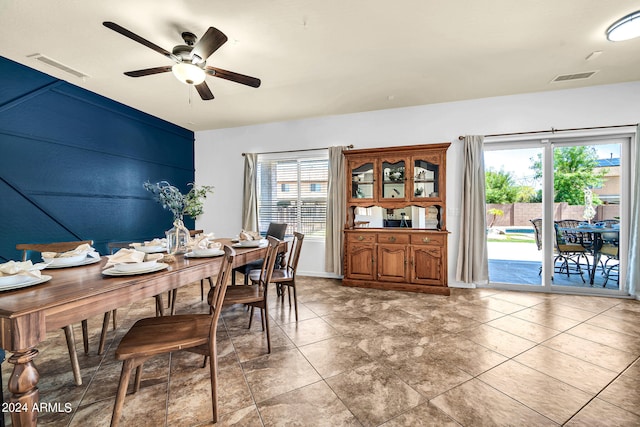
519,263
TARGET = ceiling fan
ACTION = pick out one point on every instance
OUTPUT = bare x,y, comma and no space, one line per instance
190,60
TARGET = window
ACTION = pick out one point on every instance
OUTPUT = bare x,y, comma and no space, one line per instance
292,188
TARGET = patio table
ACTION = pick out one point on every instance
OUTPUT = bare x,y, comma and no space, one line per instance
594,244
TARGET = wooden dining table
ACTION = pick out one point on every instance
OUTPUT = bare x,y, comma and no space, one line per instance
77,293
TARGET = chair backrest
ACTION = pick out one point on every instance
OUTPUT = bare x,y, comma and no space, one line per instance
294,252
277,230
217,293
50,247
268,263
537,228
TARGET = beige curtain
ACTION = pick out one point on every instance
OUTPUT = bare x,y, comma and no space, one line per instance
633,262
473,264
336,205
250,193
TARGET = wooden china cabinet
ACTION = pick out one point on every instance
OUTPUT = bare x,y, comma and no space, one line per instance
395,231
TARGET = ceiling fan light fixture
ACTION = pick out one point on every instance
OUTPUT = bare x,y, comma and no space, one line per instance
625,28
188,73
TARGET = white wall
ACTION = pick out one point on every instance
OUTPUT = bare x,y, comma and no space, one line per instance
219,162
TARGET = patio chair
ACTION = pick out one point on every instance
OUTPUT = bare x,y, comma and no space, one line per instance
611,249
537,228
570,247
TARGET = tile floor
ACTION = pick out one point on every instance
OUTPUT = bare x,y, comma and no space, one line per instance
361,357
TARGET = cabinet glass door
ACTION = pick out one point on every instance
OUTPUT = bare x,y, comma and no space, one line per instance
362,181
393,180
425,179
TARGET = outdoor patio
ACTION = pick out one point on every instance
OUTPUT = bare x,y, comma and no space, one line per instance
518,261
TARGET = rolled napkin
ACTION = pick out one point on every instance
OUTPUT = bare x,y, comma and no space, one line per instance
127,256
249,235
84,248
23,268
205,241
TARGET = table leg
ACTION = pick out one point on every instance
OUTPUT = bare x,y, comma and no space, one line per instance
23,387
592,273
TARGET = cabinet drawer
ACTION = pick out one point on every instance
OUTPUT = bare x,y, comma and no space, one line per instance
394,238
428,239
361,237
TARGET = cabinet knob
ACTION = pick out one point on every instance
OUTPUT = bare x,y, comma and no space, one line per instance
392,238
426,239
361,238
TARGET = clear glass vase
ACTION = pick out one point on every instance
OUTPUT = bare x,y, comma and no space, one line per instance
177,237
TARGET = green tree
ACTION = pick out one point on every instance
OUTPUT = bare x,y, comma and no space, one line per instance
573,171
500,187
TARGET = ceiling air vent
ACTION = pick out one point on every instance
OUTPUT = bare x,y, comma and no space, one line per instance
58,65
576,76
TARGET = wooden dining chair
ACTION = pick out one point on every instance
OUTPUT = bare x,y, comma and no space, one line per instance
277,230
113,247
152,336
26,248
286,276
256,295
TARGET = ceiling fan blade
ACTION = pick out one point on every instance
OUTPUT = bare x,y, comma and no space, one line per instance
209,43
234,77
204,91
118,29
148,71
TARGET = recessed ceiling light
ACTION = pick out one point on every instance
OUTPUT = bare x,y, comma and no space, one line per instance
625,28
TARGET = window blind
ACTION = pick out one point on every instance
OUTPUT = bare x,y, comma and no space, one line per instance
292,189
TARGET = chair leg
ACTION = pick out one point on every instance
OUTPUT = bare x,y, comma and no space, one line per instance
115,321
71,346
265,320
159,306
295,299
213,368
138,378
103,333
174,294
250,317
201,289
85,336
127,365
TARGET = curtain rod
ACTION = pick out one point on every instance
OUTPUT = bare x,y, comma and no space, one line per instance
296,151
552,130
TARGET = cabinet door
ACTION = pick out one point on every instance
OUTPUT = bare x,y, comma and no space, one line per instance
426,177
392,263
393,179
360,261
362,180
426,265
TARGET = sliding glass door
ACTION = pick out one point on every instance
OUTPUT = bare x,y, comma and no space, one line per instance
556,213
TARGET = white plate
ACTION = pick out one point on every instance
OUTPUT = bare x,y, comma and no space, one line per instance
87,261
67,261
157,267
127,267
217,252
29,281
150,249
251,243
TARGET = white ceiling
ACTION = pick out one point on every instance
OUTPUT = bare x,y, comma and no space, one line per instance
318,58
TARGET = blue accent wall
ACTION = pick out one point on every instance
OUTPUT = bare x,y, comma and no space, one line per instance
72,164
